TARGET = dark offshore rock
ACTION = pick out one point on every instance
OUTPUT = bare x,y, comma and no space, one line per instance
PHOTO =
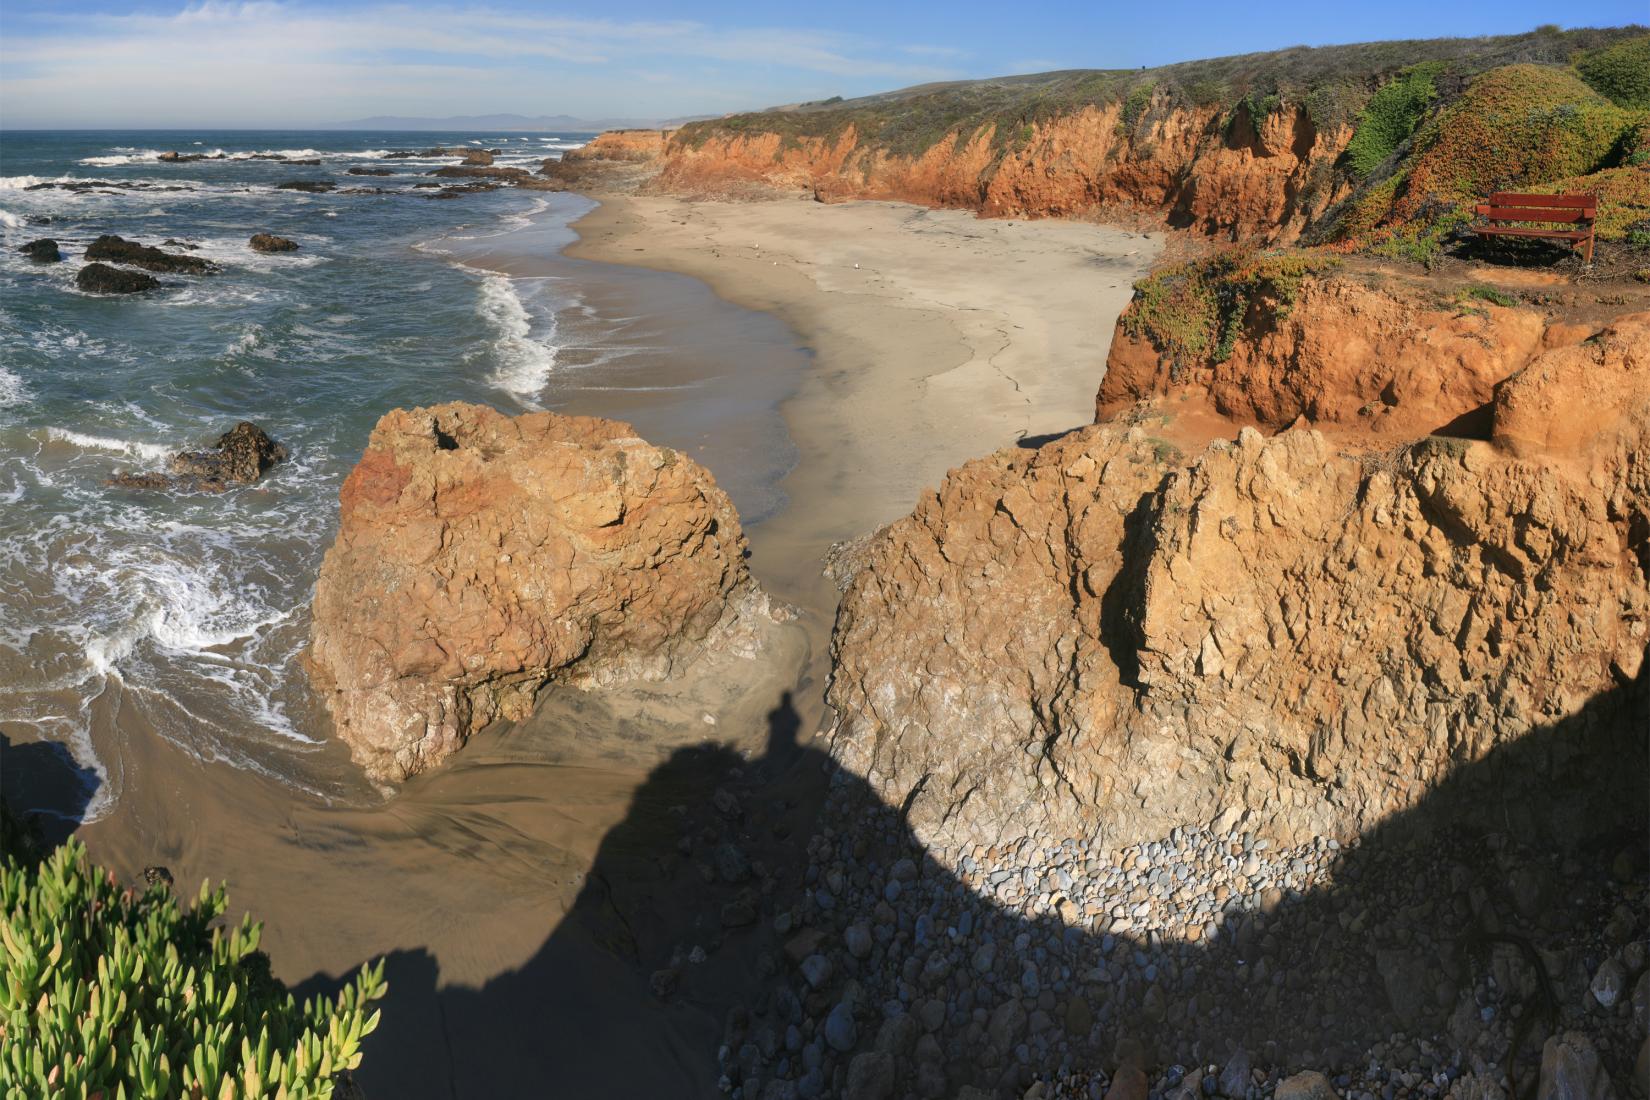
175,157
121,251
103,279
484,172
269,242
43,250
313,187
369,171
239,456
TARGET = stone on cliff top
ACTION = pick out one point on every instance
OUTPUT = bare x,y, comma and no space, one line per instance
481,556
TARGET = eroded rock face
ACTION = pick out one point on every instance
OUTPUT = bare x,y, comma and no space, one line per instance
1265,181
1385,358
1103,634
480,556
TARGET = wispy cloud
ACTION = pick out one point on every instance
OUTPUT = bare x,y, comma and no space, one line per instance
270,62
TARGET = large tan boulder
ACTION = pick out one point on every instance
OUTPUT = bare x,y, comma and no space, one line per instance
480,556
1104,634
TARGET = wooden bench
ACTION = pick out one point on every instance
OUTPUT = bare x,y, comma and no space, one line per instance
1508,214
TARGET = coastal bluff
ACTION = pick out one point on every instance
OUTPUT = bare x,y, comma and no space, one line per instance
481,556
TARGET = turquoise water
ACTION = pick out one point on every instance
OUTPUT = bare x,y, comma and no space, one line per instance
129,614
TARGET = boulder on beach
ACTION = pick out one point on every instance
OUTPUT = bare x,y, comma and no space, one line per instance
310,186
43,250
103,279
269,242
121,251
481,556
239,456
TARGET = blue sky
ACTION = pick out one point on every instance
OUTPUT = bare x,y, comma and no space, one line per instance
96,63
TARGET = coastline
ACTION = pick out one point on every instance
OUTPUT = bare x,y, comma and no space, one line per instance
911,375
939,337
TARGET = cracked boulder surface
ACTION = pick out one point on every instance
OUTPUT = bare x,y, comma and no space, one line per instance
481,556
1104,634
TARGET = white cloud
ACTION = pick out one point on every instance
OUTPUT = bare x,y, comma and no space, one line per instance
266,62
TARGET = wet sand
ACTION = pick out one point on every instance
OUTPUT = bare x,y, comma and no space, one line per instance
951,338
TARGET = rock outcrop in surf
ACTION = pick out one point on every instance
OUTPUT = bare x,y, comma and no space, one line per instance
240,456
480,557
1102,633
118,250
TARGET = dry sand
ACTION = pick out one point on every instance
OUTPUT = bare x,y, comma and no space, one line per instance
940,336
520,892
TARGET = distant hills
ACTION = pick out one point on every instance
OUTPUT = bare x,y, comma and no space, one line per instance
532,124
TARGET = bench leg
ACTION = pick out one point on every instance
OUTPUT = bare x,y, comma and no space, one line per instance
1587,250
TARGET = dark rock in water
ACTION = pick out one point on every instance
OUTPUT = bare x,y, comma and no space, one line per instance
453,170
477,156
175,157
170,243
239,456
402,154
103,279
311,161
311,186
426,184
121,251
268,242
369,171
43,250
456,190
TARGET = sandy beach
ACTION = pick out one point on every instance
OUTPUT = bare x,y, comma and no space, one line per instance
939,336
517,890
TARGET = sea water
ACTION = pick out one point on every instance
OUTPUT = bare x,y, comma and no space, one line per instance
183,615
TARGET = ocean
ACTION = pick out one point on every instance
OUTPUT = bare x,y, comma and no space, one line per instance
127,614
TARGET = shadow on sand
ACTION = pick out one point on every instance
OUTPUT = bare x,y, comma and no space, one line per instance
1464,926
45,786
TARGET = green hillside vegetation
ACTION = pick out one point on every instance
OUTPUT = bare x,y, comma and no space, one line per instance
1436,124
106,992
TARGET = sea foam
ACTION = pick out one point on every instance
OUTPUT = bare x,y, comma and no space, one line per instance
524,363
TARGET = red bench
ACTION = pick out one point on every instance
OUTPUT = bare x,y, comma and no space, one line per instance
1509,214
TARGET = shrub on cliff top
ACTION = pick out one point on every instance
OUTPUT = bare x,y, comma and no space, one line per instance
108,993
1516,127
1194,312
1620,72
1390,116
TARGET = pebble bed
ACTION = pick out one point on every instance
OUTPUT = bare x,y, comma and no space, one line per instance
1208,963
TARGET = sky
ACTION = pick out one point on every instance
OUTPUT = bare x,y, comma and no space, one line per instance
291,63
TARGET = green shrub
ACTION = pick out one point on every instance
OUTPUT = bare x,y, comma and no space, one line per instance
1391,115
1620,73
1489,294
1195,312
108,993
1134,106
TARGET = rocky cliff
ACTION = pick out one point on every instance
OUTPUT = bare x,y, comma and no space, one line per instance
1366,350
1227,175
1104,635
480,556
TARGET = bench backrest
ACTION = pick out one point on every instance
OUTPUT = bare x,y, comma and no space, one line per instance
1511,206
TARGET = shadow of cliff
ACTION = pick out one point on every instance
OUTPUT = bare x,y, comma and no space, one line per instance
45,786
727,873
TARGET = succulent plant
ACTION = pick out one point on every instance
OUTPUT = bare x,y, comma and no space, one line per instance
107,993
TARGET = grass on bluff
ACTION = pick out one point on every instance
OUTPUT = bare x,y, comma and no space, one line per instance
107,992
1334,84
1194,312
